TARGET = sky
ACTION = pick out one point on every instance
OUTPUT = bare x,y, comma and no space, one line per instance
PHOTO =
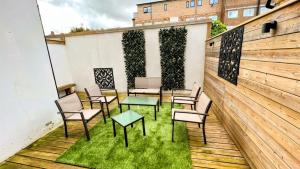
62,15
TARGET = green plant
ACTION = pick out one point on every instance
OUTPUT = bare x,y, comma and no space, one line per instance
79,29
217,28
134,53
172,49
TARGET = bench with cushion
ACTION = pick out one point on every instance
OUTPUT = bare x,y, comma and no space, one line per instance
147,86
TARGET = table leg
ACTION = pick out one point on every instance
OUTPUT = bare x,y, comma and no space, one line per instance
129,107
158,106
114,127
144,131
155,112
131,125
125,135
120,108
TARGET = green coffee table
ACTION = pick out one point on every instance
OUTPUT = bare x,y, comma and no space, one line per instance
142,101
125,119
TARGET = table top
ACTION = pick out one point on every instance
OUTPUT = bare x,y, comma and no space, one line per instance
127,118
140,100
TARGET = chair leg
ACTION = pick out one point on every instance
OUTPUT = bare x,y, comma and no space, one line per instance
66,128
107,108
191,107
203,131
86,130
103,116
194,106
173,125
199,125
91,103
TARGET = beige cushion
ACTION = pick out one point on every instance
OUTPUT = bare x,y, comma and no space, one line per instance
147,82
181,101
87,113
70,103
102,99
203,102
145,91
187,117
94,90
195,89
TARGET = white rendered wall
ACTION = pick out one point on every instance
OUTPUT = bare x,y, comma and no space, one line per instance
105,50
60,64
27,87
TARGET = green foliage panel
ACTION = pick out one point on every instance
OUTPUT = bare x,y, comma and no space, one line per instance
217,28
134,52
172,49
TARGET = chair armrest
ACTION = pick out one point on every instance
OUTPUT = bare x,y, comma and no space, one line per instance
186,96
71,112
190,112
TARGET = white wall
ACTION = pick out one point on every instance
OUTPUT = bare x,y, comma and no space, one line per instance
27,87
105,50
60,64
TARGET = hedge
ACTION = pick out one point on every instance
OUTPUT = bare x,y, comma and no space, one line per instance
134,53
172,49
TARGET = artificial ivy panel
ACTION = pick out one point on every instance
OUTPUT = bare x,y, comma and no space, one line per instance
172,48
230,54
104,77
134,53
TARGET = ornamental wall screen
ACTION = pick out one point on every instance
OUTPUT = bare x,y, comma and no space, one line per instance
230,54
104,77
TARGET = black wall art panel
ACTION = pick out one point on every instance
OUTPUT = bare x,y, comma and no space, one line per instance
104,77
230,54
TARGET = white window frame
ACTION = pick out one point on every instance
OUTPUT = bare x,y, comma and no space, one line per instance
230,12
165,7
192,3
147,9
213,2
213,17
248,12
187,4
199,4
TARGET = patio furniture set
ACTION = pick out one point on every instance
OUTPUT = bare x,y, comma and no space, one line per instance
71,108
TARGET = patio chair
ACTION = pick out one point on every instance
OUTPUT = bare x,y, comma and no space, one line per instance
95,95
71,109
193,116
189,100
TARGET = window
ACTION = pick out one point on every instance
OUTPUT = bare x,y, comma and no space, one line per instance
165,7
192,3
263,10
199,2
213,2
214,17
187,4
233,14
147,9
248,12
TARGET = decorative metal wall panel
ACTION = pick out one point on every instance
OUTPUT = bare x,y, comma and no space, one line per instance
104,77
230,54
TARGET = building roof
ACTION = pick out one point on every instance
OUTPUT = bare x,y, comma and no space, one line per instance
152,2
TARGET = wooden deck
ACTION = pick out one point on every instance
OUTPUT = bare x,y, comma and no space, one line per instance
220,152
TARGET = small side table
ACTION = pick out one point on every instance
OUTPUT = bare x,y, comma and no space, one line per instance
125,119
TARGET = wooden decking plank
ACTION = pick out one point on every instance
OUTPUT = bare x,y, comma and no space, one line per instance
39,154
48,149
217,165
35,162
208,150
219,158
10,165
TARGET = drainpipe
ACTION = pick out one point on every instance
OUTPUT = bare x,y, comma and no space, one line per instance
257,8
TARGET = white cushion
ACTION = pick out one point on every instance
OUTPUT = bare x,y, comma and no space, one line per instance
87,113
185,116
182,100
145,91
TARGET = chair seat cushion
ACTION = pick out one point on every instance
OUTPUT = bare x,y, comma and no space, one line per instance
87,113
185,116
108,99
182,100
145,91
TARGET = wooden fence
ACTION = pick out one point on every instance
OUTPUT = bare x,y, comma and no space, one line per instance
262,112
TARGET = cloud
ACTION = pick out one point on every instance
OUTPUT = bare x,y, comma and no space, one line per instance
94,14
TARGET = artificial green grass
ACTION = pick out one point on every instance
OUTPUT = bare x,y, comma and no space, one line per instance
155,150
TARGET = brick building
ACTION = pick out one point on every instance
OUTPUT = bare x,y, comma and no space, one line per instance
231,12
